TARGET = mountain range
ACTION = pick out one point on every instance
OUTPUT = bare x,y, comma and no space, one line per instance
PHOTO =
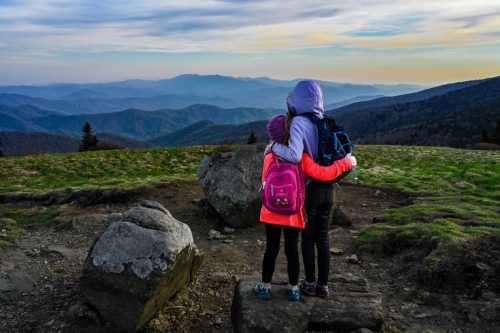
453,114
179,92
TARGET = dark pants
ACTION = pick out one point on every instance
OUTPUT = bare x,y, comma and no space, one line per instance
273,234
315,234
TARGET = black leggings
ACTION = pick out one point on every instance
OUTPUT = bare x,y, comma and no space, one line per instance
315,235
273,234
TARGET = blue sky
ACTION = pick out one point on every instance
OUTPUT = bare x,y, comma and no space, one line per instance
356,41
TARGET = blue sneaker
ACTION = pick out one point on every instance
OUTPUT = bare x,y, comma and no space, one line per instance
294,295
262,292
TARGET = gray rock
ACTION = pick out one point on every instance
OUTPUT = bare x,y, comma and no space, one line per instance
348,282
60,250
336,251
345,312
214,235
340,218
15,282
154,205
113,217
138,264
231,182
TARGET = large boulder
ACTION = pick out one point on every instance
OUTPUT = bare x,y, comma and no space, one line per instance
138,264
231,182
352,307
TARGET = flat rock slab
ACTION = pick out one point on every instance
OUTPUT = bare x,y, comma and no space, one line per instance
344,311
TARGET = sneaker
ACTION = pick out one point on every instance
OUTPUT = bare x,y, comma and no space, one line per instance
322,291
307,288
293,295
262,292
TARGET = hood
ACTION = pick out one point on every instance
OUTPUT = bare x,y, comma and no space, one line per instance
306,97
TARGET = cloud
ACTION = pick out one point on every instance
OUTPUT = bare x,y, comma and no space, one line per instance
228,25
51,31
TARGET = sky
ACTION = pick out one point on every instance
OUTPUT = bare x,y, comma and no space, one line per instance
362,41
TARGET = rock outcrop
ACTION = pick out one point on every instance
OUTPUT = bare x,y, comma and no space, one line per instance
138,264
231,182
352,308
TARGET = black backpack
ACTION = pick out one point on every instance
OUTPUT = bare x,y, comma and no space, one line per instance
333,142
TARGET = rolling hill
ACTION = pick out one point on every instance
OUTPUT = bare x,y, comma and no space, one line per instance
19,143
207,132
136,124
21,118
405,98
122,141
455,118
22,143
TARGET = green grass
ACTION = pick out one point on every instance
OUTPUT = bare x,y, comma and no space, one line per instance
457,191
123,168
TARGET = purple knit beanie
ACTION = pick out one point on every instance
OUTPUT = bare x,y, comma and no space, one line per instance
276,129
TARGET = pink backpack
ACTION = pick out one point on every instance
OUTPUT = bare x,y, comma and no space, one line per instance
283,189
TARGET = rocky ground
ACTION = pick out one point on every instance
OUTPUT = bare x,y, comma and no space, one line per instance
39,289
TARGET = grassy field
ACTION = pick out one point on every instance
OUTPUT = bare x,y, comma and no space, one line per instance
123,168
457,192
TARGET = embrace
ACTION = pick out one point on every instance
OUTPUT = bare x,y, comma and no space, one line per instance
297,180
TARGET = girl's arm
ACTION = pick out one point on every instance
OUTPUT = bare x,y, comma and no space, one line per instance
293,151
325,173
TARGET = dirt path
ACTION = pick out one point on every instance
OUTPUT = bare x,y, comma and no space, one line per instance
48,262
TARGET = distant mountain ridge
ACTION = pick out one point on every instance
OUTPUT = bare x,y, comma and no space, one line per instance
179,92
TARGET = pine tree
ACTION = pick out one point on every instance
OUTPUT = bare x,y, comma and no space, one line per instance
1,152
252,138
89,140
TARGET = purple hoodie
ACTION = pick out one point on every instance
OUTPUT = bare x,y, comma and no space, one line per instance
306,97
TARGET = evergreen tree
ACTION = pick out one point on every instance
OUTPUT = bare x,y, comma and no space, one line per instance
89,140
484,136
1,152
251,138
